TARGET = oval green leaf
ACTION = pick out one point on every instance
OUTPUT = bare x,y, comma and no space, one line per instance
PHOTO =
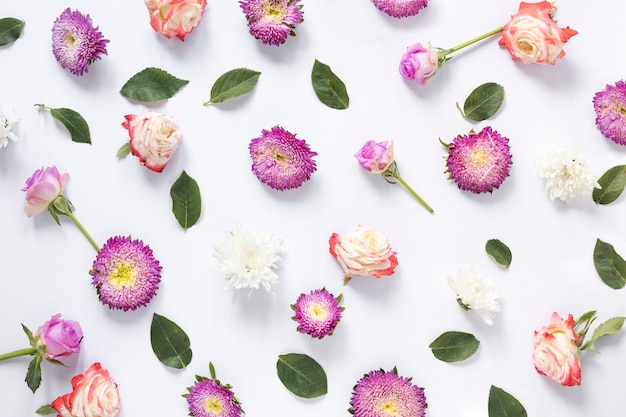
33,375
123,150
503,404
302,375
499,251
609,265
328,87
233,83
10,30
454,346
152,84
74,123
45,410
612,184
186,202
169,342
483,102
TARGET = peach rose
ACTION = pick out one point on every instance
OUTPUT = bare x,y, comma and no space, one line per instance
557,351
363,251
175,17
532,36
153,138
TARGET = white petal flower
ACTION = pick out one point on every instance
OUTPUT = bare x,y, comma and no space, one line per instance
567,174
475,293
249,258
8,120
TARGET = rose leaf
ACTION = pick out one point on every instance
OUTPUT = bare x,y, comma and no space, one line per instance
152,84
610,266
499,251
612,184
169,342
186,201
503,404
328,87
10,30
454,346
302,375
483,102
233,83
74,123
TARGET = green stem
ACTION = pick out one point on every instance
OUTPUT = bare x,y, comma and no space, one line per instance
82,229
21,352
443,53
397,176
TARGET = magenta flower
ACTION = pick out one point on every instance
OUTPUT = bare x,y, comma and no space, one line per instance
76,43
610,107
384,394
479,162
209,398
58,338
400,8
317,313
272,21
42,188
125,273
419,63
280,160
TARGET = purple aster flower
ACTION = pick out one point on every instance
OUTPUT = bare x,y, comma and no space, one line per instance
610,107
401,8
280,160
384,394
125,273
76,43
317,313
272,21
209,398
479,162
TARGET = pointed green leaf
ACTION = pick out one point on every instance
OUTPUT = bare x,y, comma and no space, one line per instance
74,123
10,30
45,410
232,84
33,376
186,202
483,102
123,150
169,342
454,346
612,184
302,375
152,84
611,326
499,251
503,404
609,265
29,334
328,87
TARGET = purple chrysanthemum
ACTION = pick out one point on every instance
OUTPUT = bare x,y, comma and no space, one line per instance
317,313
610,107
209,398
479,162
280,160
125,273
385,394
401,8
272,21
76,43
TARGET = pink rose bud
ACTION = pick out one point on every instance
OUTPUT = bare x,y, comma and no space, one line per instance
375,157
175,17
60,338
42,188
153,138
419,63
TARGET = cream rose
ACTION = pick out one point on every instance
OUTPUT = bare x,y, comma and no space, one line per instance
175,17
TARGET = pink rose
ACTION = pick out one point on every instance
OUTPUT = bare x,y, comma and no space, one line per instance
363,251
153,138
59,338
532,36
419,63
42,188
93,394
557,351
175,17
375,157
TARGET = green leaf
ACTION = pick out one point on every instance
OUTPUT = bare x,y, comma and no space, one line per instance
503,404
10,30
302,375
609,265
123,150
152,84
611,326
233,83
328,87
186,202
33,376
483,102
499,251
45,410
454,346
29,334
612,184
169,342
74,123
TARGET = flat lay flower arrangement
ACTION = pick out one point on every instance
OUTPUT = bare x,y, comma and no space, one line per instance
191,227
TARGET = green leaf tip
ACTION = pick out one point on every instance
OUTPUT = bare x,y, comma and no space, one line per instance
503,404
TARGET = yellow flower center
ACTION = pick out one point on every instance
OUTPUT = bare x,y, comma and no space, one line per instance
70,40
123,275
273,12
213,406
317,312
479,157
389,408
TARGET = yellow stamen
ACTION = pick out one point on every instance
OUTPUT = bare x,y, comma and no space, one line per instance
123,275
213,406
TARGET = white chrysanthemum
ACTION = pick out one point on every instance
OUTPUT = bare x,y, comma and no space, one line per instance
475,293
249,258
8,119
567,174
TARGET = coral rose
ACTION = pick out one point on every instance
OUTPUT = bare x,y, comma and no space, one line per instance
175,17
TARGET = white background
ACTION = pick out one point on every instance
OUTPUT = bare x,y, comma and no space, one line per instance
387,322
